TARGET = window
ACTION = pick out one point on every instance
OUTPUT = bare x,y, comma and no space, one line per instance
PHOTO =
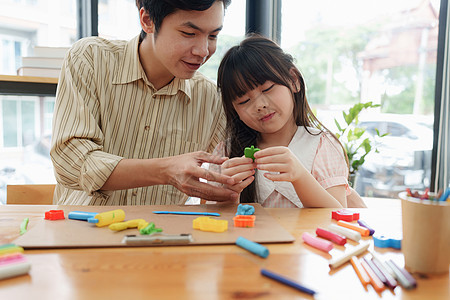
25,122
381,51
118,19
232,33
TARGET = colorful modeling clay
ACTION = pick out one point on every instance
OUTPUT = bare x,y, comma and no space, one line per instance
10,248
57,214
287,281
24,225
377,284
208,224
334,237
136,223
338,261
375,270
13,265
351,234
364,224
389,280
253,247
81,215
150,229
344,215
381,241
245,209
244,221
317,243
108,217
250,151
362,274
201,213
425,195
403,276
445,195
362,230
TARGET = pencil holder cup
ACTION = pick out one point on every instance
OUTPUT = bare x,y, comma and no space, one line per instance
426,235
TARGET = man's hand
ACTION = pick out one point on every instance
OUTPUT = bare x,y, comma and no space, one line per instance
184,172
242,170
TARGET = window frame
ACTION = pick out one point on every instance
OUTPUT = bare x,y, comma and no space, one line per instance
258,11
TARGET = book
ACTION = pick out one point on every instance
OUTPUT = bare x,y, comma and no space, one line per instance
42,51
42,62
39,72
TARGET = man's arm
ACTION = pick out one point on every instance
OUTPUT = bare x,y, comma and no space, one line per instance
181,171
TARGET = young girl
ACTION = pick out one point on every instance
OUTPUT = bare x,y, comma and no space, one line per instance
300,164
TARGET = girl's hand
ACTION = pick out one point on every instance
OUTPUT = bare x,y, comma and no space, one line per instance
241,169
280,160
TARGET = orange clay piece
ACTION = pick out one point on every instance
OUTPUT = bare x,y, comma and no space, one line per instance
244,221
208,224
363,230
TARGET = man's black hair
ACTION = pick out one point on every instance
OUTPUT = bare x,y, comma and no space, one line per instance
159,9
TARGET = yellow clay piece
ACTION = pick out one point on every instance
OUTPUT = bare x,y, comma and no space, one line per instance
136,223
208,224
109,217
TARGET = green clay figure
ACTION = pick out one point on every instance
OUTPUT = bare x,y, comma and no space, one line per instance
250,151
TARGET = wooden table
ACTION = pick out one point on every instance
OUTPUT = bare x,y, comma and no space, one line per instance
207,272
28,85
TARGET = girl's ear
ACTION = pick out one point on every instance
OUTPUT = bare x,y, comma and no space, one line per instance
296,85
146,23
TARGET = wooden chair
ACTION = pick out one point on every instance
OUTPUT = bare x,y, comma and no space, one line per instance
30,194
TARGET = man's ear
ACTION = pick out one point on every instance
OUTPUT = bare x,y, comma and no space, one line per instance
146,23
295,84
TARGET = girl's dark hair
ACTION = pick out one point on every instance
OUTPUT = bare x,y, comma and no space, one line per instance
243,68
159,9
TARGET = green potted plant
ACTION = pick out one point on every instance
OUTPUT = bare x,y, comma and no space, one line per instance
351,135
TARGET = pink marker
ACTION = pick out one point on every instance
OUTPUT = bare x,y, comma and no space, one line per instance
317,243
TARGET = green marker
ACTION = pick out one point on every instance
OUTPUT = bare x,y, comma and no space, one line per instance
250,151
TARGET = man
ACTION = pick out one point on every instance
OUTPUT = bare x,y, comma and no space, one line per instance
132,119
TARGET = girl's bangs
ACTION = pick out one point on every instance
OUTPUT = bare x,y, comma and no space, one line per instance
245,74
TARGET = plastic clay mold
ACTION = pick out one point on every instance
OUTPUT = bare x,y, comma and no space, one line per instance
57,214
344,215
381,241
244,221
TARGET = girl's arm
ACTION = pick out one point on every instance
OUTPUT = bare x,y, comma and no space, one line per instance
310,192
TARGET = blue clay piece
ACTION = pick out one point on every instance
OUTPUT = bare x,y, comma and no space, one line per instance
245,209
252,247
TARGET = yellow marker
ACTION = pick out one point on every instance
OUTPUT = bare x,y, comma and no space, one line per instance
208,224
108,217
136,223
